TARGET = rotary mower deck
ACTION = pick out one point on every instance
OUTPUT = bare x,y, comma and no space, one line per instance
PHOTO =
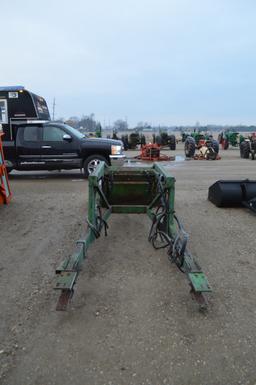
152,153
126,190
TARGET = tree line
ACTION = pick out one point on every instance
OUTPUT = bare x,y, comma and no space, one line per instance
88,123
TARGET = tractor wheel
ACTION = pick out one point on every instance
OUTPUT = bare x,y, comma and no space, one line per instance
172,140
142,140
212,154
220,138
190,147
245,150
253,149
225,144
215,145
124,139
241,147
158,140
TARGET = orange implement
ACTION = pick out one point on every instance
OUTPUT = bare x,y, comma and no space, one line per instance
5,192
151,152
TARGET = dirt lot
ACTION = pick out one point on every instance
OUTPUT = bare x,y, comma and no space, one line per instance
131,320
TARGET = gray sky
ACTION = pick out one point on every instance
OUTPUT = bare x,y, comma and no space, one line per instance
165,61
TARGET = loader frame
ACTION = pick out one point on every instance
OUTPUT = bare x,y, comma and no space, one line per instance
130,190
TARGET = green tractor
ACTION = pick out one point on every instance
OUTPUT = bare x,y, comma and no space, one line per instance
197,135
230,138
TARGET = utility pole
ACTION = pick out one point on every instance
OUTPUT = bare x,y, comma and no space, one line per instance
53,108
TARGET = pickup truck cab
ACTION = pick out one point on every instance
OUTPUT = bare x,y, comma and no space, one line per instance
36,144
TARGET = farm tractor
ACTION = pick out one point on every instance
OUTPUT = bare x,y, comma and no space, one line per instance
207,149
134,190
165,140
133,140
197,135
230,138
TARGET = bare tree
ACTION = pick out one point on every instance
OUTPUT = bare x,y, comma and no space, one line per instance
73,121
120,125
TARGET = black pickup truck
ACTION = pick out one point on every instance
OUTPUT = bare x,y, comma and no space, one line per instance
33,143
55,146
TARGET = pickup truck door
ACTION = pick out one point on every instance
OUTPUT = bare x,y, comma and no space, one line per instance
28,147
56,152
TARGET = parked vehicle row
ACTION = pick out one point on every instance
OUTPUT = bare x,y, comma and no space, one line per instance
33,142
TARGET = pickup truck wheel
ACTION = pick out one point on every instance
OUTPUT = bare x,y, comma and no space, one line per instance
91,163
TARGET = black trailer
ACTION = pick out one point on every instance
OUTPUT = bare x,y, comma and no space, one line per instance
18,104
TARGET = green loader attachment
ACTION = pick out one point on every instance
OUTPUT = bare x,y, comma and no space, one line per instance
125,190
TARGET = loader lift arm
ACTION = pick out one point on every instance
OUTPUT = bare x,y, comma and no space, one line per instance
126,190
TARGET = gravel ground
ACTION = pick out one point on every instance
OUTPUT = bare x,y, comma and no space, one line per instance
131,320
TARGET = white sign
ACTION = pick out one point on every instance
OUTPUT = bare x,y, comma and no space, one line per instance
13,95
3,111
